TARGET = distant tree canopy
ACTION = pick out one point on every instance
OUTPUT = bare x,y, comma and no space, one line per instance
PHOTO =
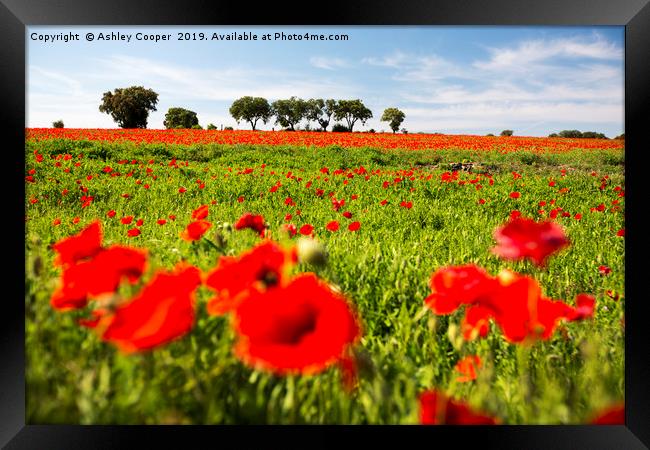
575,134
351,111
180,118
129,107
507,133
394,116
57,124
289,112
620,136
251,110
211,126
321,111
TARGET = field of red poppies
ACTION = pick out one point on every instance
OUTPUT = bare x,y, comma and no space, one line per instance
221,277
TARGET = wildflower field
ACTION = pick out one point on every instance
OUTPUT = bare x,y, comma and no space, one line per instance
227,277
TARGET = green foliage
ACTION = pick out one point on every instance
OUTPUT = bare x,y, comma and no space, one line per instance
197,127
507,133
289,112
321,111
576,134
351,111
180,118
57,124
211,126
340,128
129,107
394,116
251,110
228,128
620,137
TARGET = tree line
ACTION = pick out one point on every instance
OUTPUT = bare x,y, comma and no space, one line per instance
129,107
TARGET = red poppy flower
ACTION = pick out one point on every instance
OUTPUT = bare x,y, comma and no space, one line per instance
254,222
332,226
407,205
481,201
614,415
182,190
604,270
163,311
383,202
56,221
139,223
354,226
476,322
100,275
133,232
453,286
301,328
126,220
290,228
258,269
467,368
200,213
347,214
524,238
195,230
437,409
87,243
515,194
111,213
584,309
161,221
306,229
621,232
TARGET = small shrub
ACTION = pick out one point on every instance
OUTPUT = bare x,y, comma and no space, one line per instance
57,124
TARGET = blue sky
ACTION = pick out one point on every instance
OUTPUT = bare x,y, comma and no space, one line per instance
456,80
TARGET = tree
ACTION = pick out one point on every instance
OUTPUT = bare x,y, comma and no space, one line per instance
507,133
570,134
130,106
351,111
211,126
289,112
321,111
394,116
251,109
57,124
593,135
180,117
622,137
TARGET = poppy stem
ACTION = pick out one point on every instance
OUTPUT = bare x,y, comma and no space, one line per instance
213,245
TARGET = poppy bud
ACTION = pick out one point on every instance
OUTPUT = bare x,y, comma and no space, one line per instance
455,336
219,239
37,265
311,252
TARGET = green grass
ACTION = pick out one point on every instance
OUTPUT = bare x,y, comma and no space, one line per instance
384,269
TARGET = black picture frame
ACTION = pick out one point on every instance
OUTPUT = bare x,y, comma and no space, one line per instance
15,15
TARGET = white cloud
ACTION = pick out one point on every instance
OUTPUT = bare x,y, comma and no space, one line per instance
324,62
541,50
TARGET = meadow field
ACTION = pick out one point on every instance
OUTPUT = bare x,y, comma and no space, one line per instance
208,317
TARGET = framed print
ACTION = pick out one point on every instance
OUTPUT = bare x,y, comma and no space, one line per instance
410,215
